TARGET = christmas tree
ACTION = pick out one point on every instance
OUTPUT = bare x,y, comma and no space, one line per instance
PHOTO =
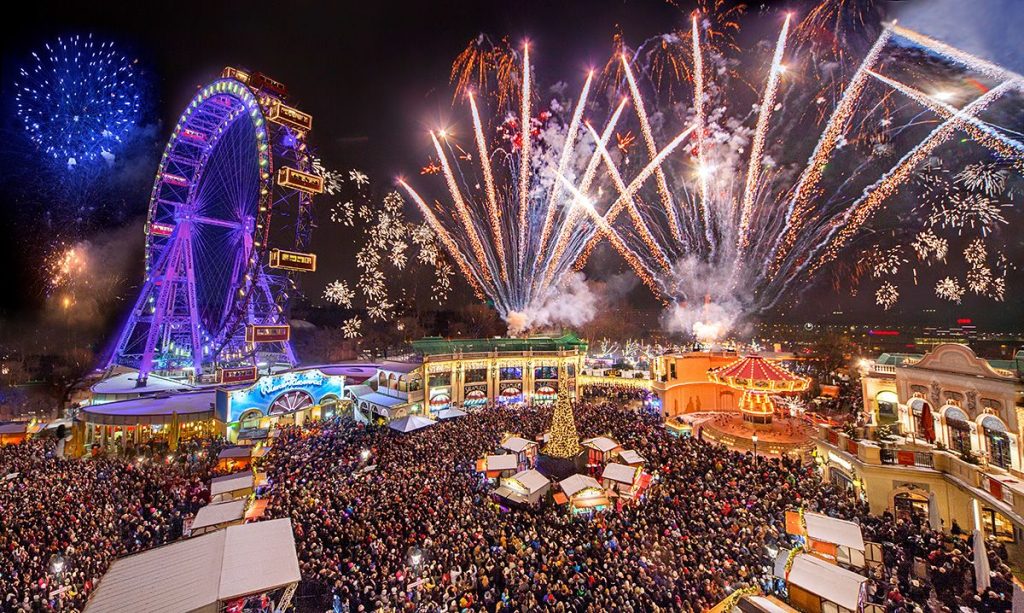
564,442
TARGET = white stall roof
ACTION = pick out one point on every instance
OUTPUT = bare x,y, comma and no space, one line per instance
232,483
829,581
531,479
619,472
516,444
631,457
214,514
836,531
575,483
199,572
601,443
502,462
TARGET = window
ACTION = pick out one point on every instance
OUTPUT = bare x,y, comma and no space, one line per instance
440,379
958,430
511,373
545,372
672,370
475,375
998,441
997,525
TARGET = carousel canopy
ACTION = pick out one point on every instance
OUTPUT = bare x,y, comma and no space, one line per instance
753,372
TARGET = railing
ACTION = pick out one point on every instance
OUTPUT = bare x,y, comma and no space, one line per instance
885,369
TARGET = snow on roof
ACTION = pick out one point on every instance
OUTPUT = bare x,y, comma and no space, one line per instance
230,483
601,443
831,530
197,573
127,383
219,513
619,472
502,462
516,444
532,480
239,451
631,457
575,483
829,581
410,423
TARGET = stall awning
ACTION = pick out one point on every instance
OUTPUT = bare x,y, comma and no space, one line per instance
836,531
831,582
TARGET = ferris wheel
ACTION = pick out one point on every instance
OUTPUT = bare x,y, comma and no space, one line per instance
226,234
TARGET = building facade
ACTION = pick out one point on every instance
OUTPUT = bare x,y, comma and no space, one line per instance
957,448
682,386
473,372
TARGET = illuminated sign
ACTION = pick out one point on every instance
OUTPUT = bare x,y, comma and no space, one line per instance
175,180
236,375
963,321
884,332
234,73
290,117
161,229
302,181
260,396
259,80
292,260
190,133
267,334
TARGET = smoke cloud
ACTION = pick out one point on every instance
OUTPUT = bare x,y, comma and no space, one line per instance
572,303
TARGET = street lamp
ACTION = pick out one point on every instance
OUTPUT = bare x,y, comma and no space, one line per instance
754,439
364,455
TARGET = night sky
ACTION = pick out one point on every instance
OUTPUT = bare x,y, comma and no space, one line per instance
374,75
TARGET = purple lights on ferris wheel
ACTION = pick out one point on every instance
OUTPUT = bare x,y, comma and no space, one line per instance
208,282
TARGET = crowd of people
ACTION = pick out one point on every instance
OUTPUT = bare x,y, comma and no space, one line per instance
389,521
63,521
404,522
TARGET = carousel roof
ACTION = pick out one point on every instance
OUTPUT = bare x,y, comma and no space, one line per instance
754,371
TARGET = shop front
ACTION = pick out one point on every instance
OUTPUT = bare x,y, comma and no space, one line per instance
288,398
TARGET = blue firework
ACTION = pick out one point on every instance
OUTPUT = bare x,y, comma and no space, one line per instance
79,100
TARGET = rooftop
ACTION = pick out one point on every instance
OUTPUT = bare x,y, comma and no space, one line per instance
435,345
197,573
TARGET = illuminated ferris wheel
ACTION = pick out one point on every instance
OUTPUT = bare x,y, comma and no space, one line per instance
227,231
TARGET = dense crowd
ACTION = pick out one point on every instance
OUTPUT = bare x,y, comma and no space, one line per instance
388,521
86,513
409,524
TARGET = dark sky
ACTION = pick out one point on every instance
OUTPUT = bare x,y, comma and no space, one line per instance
374,75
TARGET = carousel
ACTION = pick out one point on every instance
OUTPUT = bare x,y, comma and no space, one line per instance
759,425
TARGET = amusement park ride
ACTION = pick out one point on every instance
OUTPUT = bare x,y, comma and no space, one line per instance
228,227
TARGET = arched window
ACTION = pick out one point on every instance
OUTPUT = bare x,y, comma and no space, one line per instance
958,429
888,403
954,398
998,441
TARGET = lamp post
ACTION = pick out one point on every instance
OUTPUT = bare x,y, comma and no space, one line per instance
754,439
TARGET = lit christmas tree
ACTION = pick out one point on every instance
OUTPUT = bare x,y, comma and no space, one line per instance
564,442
